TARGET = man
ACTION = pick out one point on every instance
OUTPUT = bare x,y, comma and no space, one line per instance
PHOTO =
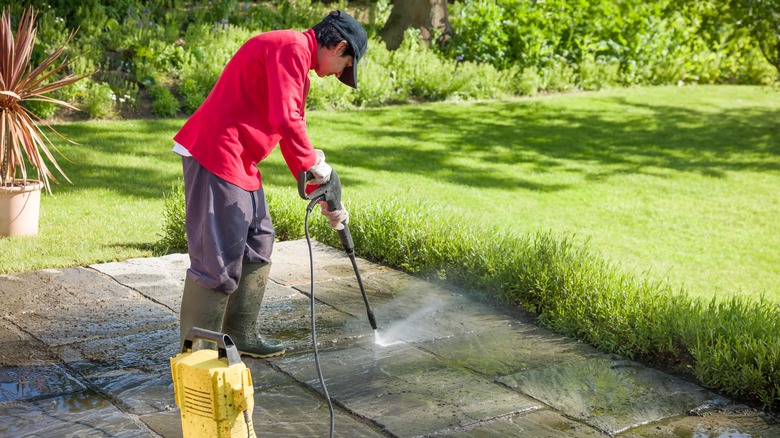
257,103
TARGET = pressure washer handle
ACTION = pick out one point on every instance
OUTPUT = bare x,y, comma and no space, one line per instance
225,346
329,192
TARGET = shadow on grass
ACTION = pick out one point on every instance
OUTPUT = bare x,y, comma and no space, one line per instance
617,136
133,158
612,135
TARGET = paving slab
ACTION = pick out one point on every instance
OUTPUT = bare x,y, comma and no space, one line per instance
610,393
160,279
508,349
410,311
95,320
291,263
290,322
49,289
543,423
20,348
407,391
733,421
79,414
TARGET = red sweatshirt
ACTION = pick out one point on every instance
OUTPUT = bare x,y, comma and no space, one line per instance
257,102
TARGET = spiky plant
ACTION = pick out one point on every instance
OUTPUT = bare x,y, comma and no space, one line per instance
22,138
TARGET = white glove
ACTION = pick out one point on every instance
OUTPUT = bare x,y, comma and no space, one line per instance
321,170
337,218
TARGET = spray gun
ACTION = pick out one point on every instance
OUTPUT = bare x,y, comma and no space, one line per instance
330,192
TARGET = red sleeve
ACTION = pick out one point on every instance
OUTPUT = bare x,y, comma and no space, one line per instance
288,82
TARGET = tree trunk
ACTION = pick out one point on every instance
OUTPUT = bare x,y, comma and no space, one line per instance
427,15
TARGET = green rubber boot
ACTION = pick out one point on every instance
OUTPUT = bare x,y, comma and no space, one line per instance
243,309
202,308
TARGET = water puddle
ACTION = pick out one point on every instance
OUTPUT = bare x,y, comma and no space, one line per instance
24,383
83,413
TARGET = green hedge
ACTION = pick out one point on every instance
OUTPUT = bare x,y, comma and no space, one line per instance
730,346
501,47
657,42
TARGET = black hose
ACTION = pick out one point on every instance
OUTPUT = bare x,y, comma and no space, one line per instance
313,325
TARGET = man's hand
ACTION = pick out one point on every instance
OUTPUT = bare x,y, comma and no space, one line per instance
321,170
337,218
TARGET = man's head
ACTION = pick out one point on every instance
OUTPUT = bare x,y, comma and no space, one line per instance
342,42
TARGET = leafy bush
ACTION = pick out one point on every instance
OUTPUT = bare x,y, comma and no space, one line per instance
329,93
43,110
164,103
194,91
96,98
628,42
595,75
378,82
173,238
125,90
205,52
528,82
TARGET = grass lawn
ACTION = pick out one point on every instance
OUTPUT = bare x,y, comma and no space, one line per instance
681,183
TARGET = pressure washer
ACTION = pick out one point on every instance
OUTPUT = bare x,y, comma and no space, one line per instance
330,193
213,388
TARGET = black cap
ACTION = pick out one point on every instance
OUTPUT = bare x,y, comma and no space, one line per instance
355,35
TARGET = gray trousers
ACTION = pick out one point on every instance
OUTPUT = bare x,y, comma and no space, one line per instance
226,225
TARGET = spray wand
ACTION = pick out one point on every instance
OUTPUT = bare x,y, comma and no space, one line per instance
330,192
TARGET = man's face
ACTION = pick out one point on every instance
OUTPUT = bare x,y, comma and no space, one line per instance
330,61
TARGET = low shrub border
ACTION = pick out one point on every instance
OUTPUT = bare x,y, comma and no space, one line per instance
731,346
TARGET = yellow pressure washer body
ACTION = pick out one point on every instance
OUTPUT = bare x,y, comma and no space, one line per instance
213,388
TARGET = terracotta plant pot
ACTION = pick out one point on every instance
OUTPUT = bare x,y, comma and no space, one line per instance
19,208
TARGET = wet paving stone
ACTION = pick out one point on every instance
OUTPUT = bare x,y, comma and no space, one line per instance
264,376
541,423
165,424
19,348
160,279
610,393
277,292
291,264
290,322
145,351
47,289
508,349
95,320
289,410
24,383
80,414
735,421
137,392
407,391
132,370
